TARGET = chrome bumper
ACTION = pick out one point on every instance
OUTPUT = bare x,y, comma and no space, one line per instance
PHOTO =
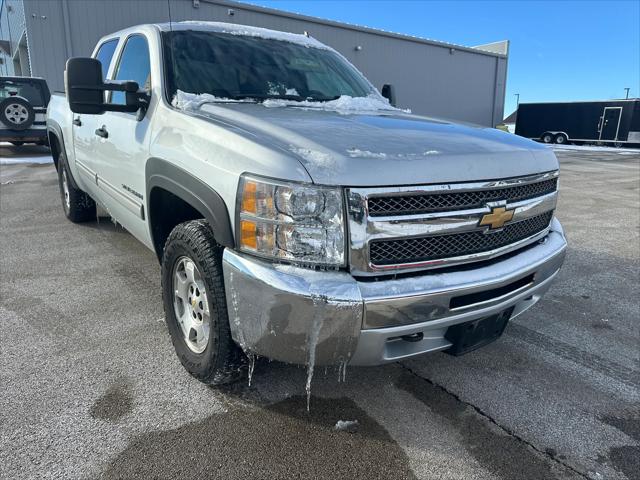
303,316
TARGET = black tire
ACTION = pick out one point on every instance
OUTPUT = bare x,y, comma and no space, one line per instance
16,113
546,137
222,361
561,139
17,144
80,207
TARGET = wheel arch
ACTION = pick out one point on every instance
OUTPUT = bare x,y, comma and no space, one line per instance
174,196
56,140
57,146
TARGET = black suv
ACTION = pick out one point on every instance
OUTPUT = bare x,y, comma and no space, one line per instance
23,110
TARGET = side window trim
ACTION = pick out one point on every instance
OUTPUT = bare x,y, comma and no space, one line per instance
120,52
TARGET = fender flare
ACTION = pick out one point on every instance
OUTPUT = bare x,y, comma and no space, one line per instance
162,174
54,129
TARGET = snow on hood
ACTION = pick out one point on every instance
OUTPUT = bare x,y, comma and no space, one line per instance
247,31
193,101
383,147
343,105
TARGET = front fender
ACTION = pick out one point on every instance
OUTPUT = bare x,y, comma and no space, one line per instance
160,173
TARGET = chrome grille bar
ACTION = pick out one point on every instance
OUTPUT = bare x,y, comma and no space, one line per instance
370,231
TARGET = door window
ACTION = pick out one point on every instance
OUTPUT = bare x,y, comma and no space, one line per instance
105,54
134,65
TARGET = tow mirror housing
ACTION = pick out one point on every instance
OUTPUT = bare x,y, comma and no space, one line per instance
85,89
388,92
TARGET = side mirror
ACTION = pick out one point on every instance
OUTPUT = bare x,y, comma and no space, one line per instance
85,89
389,93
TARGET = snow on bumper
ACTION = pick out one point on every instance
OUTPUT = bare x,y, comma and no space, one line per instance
303,316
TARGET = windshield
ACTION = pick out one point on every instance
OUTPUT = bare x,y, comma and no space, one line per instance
243,67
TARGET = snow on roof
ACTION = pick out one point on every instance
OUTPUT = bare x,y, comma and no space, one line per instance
244,30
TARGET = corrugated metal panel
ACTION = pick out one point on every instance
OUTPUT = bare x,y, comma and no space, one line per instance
12,26
429,77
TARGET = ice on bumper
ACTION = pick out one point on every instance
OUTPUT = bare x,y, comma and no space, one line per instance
295,315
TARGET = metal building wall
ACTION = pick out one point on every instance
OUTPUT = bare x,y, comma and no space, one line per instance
431,78
12,26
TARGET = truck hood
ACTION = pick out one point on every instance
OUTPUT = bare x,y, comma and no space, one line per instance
383,148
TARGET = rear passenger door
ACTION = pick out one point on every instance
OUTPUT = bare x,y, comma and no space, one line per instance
121,155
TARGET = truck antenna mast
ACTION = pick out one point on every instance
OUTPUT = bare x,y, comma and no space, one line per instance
173,62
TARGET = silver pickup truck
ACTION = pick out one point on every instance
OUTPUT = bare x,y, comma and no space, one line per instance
296,213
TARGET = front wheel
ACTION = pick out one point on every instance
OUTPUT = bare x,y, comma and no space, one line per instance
195,305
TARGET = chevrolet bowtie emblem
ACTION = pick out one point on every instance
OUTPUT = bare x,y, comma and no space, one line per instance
497,218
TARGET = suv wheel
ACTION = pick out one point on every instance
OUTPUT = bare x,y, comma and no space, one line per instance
78,206
16,113
195,306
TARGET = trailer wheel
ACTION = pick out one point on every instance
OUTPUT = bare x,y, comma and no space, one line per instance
561,139
546,137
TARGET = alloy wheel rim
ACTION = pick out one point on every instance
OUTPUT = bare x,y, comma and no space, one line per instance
190,304
65,190
16,113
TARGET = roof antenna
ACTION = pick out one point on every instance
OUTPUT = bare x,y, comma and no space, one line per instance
173,60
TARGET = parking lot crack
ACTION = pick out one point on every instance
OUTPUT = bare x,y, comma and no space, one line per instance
451,406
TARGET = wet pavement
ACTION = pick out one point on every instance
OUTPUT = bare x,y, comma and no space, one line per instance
91,388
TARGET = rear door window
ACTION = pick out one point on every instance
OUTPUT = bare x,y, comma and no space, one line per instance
105,54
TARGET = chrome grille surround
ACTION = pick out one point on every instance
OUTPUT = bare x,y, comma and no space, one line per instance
366,229
445,201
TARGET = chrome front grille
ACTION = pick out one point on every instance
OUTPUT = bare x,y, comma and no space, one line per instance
435,247
443,201
395,229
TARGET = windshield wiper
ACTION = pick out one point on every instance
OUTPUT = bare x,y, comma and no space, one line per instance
260,97
323,99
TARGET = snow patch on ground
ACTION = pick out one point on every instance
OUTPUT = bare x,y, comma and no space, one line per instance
346,425
12,155
596,148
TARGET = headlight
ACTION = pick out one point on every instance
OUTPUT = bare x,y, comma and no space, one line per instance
291,221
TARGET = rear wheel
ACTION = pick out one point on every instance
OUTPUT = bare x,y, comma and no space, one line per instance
195,305
78,206
561,139
546,137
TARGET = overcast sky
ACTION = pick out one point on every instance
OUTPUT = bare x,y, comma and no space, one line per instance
560,50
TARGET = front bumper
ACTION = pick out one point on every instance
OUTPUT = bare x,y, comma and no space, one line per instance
303,316
28,135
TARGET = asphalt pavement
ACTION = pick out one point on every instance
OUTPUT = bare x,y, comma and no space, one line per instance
90,386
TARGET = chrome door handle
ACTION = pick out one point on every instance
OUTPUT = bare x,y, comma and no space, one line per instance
102,132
